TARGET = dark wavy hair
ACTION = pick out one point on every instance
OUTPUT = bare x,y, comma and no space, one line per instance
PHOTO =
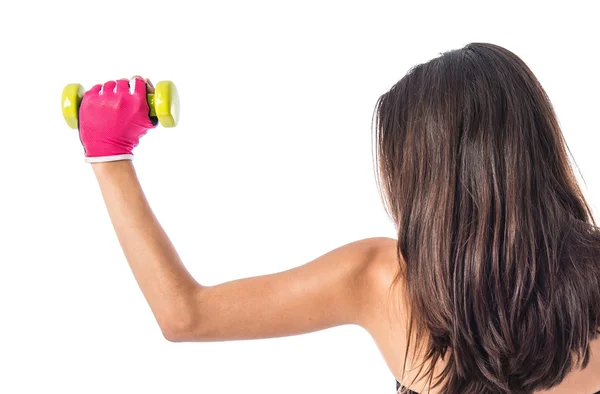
499,251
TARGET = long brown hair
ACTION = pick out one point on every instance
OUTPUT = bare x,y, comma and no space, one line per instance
500,251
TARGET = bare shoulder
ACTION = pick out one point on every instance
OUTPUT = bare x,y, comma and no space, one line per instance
379,271
382,266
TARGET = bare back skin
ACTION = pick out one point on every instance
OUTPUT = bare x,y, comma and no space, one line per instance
390,336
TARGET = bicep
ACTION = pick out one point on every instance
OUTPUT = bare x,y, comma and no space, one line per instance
329,291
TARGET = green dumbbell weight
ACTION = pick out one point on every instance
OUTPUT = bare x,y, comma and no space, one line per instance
163,103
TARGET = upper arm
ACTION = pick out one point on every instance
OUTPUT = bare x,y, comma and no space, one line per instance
340,287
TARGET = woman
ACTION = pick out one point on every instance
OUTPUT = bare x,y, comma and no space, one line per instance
493,284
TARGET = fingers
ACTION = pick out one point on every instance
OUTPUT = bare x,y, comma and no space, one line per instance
148,84
140,85
95,89
137,85
109,87
123,86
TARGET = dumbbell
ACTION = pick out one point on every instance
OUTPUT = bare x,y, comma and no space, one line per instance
163,103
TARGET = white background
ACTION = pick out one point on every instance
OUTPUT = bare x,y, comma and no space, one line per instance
270,167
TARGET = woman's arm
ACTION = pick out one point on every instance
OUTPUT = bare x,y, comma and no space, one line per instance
344,286
156,266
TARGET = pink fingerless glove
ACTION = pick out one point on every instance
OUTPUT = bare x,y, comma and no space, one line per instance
112,120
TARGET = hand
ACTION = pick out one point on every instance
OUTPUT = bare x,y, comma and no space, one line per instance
112,119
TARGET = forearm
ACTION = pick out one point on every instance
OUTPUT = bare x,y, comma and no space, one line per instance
166,284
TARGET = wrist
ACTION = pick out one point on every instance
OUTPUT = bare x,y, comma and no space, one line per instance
110,167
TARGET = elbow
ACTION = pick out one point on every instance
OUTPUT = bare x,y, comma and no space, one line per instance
174,337
178,329
183,322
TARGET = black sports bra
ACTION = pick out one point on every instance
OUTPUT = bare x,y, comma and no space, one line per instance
414,392
405,390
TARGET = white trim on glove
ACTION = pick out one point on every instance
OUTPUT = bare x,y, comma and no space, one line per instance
108,158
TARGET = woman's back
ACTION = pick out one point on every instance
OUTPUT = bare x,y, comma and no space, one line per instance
390,336
500,272
584,381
